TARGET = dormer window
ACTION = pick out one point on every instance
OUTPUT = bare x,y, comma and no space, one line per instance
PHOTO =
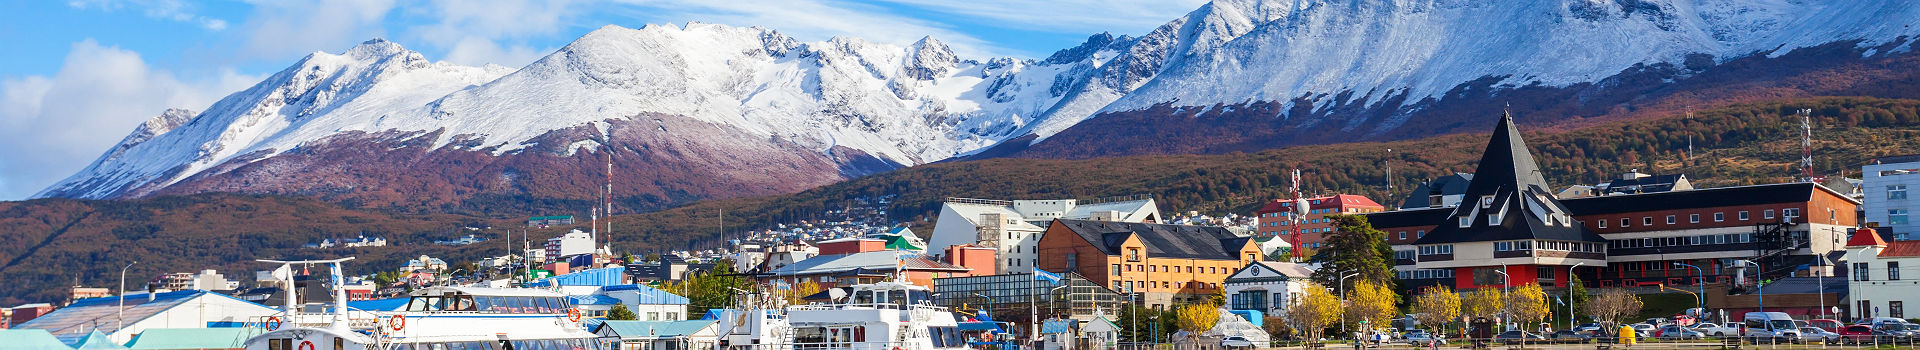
1493,218
1466,221
1486,201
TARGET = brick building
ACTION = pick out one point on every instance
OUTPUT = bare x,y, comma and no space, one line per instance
1275,221
1165,264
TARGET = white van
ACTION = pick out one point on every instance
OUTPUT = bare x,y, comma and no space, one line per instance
1776,326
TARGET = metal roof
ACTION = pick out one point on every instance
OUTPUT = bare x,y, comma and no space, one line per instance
1519,199
886,260
29,339
655,329
595,299
1162,240
389,304
96,341
609,276
192,338
103,314
648,295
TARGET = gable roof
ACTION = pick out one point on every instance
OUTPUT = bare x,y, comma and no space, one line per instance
192,338
1444,185
1901,249
1648,184
650,329
96,341
1865,237
1408,217
1526,209
1161,240
1283,268
1796,192
646,295
71,322
1333,201
30,339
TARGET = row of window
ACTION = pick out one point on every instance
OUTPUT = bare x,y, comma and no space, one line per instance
1419,234
1861,270
1124,286
1437,249
1695,218
1118,268
1895,309
1582,247
490,304
1309,230
1653,242
1424,274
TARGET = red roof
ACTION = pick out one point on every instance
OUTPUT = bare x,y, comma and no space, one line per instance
1865,237
1333,201
1901,249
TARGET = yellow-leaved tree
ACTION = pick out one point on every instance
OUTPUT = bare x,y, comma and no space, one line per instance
1435,307
1484,302
1371,303
1528,304
1197,318
801,291
1310,312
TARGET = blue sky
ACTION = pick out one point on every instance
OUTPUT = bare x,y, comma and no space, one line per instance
77,75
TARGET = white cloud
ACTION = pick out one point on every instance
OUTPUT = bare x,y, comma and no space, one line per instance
476,51
173,10
63,122
492,31
279,29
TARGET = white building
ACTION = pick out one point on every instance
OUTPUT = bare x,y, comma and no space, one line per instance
572,243
1266,286
1014,227
205,280
1875,285
661,335
1884,182
181,309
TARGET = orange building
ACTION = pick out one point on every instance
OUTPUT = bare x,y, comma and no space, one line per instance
1166,264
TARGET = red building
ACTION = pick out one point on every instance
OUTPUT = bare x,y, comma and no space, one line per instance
1275,221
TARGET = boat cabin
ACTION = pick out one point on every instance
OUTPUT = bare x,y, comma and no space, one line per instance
487,300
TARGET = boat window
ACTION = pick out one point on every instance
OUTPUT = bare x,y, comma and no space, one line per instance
483,304
519,345
462,303
339,343
437,346
919,297
896,298
863,297
563,303
544,306
519,305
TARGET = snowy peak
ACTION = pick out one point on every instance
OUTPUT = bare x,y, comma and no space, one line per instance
929,59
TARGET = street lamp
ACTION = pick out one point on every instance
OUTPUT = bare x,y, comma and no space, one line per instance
1343,302
1758,286
122,309
1506,288
1700,301
1571,321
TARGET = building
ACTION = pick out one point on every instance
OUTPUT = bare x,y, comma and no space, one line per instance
424,263
1266,286
1275,219
1443,192
574,242
1875,284
1638,239
193,338
1884,183
544,221
1019,296
859,268
661,335
205,280
1634,182
23,313
1165,264
1014,227
179,309
30,339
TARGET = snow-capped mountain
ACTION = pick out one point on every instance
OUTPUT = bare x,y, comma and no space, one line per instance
706,110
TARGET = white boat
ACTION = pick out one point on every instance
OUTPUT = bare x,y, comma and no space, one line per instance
441,318
879,316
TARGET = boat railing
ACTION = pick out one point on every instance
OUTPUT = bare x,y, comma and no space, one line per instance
876,306
832,346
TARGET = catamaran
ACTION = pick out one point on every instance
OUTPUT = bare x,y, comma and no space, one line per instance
437,318
878,316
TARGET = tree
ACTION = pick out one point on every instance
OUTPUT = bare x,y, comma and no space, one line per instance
1371,302
1613,305
1197,318
1528,304
1311,313
1484,302
1354,247
621,313
1436,306
801,291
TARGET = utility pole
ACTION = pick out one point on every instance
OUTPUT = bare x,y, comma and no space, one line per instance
122,309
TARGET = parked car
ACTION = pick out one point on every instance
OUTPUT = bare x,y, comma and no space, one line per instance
1519,337
1236,342
1815,334
1771,326
1571,337
1678,333
1590,327
1645,330
1717,330
1865,334
1829,325
1421,338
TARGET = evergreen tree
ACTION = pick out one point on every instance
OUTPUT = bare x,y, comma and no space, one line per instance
621,313
1354,247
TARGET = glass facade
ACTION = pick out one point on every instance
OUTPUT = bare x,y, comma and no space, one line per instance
1008,295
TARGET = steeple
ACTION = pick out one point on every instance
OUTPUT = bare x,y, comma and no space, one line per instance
1506,162
1508,199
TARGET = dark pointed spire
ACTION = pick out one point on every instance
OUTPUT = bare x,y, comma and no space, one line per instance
1506,162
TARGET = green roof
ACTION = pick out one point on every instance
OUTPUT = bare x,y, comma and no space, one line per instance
97,341
661,329
29,339
899,243
192,338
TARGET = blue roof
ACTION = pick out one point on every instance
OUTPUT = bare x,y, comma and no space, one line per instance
590,277
981,326
648,295
662,329
389,304
1057,326
595,299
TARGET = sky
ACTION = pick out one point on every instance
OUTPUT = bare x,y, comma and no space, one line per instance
76,76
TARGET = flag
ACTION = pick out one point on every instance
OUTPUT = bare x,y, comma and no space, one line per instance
1044,275
337,280
285,272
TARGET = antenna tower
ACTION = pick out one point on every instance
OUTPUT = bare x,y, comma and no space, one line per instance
1806,145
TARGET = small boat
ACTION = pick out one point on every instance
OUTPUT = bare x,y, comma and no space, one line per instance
878,316
438,318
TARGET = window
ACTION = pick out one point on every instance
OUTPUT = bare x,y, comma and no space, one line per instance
1403,234
1493,219
1718,217
1646,221
1116,269
1486,201
1502,246
1896,216
1743,215
1768,214
1893,271
1466,221
1133,254
1790,212
1894,310
1423,233
1625,223
1693,218
1670,220
1866,308
1602,222
1897,192
1860,272
1073,260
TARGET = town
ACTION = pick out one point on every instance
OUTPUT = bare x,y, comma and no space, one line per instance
1497,255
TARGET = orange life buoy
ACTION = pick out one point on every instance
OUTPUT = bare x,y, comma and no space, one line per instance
573,314
306,345
273,323
398,321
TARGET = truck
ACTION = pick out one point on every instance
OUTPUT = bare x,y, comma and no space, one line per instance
1773,326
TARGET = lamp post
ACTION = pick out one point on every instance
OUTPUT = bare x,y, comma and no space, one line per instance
1571,321
1758,285
1343,302
122,309
1506,287
1700,300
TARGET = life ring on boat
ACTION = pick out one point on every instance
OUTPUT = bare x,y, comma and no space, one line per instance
573,314
398,322
273,323
306,345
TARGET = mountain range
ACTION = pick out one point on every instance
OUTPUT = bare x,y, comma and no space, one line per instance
699,111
